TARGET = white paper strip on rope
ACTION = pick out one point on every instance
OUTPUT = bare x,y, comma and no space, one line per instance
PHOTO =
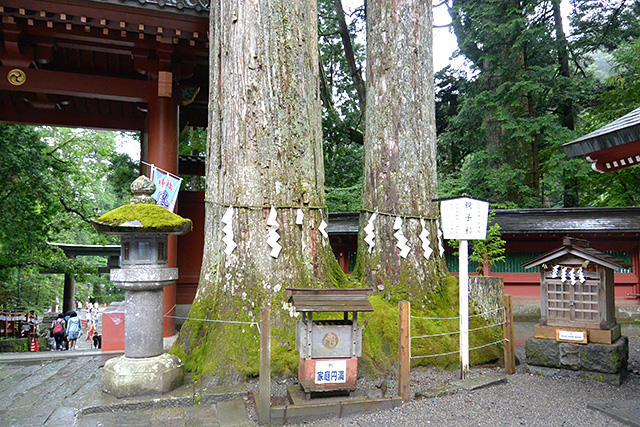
300,222
273,238
567,273
440,244
424,238
227,219
402,241
369,229
323,230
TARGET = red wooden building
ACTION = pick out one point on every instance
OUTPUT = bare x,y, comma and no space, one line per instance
135,65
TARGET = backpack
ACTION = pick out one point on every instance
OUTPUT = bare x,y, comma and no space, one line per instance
58,328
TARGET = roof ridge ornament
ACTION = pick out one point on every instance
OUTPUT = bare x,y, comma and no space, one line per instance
199,6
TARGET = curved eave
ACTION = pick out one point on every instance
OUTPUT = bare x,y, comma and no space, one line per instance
122,229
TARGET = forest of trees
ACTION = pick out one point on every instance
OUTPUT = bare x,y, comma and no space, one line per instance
529,83
54,181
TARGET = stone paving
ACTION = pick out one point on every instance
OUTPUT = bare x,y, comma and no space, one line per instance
63,389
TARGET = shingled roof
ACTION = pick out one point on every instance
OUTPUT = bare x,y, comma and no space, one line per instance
624,130
568,220
545,221
193,7
579,248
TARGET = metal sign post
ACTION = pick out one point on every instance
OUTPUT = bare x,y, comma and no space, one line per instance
465,219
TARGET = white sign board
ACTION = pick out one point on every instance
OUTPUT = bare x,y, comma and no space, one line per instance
464,218
331,371
571,335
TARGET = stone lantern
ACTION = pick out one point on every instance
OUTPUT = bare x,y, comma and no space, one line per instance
143,228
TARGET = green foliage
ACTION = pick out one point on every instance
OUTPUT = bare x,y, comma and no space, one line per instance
342,120
500,130
193,142
55,180
123,172
488,251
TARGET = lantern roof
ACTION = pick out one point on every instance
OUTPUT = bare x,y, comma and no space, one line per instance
142,215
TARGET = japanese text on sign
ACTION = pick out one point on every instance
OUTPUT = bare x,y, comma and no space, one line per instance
464,218
331,371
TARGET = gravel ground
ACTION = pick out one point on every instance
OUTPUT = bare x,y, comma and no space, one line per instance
524,400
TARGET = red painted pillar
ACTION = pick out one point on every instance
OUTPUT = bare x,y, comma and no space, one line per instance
162,135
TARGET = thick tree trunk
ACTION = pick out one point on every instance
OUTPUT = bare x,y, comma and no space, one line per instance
264,150
400,148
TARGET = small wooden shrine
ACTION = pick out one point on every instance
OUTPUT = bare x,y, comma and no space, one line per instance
577,294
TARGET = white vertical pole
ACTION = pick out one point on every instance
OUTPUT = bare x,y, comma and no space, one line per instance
464,307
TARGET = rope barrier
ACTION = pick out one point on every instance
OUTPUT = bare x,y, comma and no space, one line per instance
457,332
436,335
454,318
167,313
256,324
486,345
456,352
487,327
435,355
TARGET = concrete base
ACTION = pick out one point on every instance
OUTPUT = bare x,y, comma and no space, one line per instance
600,362
126,377
331,407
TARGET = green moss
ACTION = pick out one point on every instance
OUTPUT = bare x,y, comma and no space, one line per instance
615,359
212,346
150,216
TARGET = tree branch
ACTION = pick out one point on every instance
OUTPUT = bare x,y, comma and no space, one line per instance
71,210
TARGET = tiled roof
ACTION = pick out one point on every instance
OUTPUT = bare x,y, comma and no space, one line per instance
197,7
621,131
566,220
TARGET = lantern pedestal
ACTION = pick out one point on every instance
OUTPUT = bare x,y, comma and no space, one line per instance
125,377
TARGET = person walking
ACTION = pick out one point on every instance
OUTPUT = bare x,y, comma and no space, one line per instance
73,330
58,328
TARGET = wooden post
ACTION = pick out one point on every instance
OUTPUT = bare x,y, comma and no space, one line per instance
264,404
463,277
404,347
509,340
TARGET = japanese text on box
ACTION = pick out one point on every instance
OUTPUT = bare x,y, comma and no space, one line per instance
464,218
331,371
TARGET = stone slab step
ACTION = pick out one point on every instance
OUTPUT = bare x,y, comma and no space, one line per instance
627,411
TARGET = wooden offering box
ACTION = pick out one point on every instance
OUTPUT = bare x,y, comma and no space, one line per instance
577,294
329,349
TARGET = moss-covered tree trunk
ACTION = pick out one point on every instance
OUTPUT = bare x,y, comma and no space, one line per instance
400,149
264,150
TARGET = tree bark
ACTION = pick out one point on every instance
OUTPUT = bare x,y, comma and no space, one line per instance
264,150
400,147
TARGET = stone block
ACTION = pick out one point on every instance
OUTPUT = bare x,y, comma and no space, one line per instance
592,357
612,379
543,352
126,377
